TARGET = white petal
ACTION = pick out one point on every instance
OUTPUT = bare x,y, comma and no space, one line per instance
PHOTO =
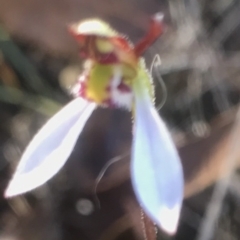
50,148
156,169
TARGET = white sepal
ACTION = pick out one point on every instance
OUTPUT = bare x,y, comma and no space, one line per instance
50,148
156,170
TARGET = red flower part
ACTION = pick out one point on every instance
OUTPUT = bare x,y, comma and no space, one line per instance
123,87
156,29
106,58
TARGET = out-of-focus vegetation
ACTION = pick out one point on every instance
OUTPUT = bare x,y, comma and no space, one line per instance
200,54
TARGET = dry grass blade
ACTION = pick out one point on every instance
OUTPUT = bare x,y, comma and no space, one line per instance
213,211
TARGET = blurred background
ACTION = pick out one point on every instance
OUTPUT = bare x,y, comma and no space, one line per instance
200,66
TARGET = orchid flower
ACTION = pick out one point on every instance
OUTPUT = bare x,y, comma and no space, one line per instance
114,76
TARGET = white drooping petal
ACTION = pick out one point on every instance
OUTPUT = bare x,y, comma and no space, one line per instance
50,148
156,169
